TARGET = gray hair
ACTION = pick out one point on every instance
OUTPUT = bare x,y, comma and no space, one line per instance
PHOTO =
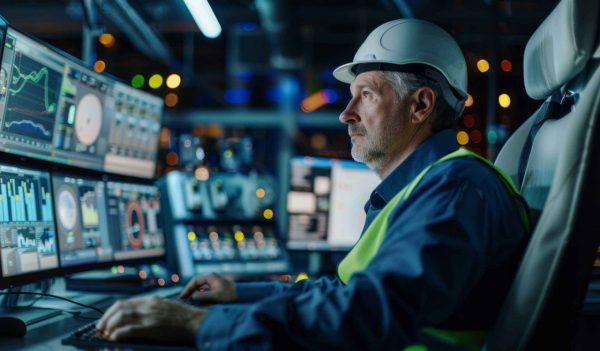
405,84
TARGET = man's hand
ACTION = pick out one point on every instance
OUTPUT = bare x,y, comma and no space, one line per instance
210,288
151,318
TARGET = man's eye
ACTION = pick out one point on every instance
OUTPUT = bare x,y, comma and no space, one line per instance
366,93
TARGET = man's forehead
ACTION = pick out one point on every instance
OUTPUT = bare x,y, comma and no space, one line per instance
371,78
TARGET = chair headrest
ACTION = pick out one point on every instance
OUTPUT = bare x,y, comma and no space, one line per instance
561,47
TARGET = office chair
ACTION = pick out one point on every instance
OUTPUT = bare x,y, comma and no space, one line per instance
553,157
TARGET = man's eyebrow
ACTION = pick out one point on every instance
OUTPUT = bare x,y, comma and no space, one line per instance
367,84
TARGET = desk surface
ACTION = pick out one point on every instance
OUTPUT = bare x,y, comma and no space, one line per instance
47,334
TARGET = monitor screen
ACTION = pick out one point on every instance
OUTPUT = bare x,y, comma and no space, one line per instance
134,221
53,108
326,202
82,220
27,234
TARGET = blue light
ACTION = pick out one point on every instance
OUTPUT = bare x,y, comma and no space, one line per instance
330,95
237,96
289,86
273,94
247,26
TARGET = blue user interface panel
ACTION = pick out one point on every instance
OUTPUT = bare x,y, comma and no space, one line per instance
82,220
27,234
53,108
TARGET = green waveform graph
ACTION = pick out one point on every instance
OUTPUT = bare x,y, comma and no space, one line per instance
32,99
20,80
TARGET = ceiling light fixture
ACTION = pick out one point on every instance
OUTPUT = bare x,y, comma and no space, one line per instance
205,17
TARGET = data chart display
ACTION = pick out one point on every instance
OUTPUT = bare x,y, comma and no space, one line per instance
27,233
81,220
54,108
134,220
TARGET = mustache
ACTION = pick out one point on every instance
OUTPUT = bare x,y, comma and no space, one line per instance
356,129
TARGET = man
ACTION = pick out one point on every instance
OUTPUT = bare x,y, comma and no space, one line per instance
443,236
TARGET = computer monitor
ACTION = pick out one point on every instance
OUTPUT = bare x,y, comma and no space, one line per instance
326,201
54,108
82,220
28,242
134,221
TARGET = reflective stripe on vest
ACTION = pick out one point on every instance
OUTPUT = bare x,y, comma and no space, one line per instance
367,246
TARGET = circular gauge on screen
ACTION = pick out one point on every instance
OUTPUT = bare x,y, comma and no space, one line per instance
67,208
88,119
134,220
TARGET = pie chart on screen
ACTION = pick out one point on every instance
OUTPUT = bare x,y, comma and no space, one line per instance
88,119
67,208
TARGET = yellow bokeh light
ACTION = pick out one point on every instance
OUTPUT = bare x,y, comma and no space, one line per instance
483,66
268,213
191,236
469,101
99,66
107,40
462,137
238,235
171,99
260,193
504,100
173,80
155,81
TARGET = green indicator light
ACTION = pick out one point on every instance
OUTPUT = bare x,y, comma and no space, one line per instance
137,81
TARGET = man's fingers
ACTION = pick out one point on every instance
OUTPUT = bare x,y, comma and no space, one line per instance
127,332
192,286
119,319
108,314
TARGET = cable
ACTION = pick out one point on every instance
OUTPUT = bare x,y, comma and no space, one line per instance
54,296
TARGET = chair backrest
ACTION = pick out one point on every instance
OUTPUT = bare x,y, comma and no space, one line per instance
552,161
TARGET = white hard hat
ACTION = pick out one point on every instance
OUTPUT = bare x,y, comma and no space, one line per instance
401,45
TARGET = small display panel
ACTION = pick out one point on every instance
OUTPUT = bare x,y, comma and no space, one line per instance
27,234
134,220
82,220
326,202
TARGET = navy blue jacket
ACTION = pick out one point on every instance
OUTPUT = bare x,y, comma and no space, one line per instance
447,261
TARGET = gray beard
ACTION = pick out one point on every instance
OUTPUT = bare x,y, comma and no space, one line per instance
371,155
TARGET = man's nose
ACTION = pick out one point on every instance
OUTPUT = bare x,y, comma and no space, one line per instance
349,115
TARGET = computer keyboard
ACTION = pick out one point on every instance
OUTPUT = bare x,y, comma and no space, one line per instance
89,337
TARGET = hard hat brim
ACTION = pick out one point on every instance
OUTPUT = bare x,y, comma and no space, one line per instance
344,73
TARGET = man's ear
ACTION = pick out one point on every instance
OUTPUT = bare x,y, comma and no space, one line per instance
423,104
